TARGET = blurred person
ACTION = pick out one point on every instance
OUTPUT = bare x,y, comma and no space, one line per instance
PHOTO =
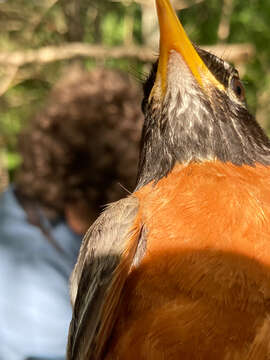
75,154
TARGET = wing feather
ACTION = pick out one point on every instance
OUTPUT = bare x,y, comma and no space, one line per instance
106,256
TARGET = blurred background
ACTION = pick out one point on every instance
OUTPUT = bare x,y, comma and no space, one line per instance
41,38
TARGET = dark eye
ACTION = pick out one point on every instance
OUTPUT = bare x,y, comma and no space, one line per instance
238,88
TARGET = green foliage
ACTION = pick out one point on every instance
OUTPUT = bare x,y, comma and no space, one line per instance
201,22
112,28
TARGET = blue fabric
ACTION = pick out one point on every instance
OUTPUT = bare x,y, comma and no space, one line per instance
35,310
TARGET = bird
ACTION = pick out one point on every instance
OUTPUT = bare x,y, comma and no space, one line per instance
180,268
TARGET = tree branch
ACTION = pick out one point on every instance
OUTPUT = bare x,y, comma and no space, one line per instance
237,53
10,75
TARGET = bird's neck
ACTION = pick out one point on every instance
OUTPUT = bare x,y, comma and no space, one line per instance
196,137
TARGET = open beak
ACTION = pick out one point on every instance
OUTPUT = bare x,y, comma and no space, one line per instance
173,37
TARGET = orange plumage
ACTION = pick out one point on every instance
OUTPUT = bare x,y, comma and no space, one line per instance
202,291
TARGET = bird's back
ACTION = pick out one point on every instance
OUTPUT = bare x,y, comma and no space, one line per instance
202,289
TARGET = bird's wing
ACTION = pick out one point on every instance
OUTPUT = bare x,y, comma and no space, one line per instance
112,245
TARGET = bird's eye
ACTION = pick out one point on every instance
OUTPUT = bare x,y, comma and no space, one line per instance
238,88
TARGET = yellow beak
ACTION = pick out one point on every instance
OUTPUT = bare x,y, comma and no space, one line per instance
173,37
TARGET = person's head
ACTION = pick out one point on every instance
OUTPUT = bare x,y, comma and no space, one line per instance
83,144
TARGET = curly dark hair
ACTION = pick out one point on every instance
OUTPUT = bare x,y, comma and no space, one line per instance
84,143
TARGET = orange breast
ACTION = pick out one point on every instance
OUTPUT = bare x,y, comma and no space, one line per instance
203,287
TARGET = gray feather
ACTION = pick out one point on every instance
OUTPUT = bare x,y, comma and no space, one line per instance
100,254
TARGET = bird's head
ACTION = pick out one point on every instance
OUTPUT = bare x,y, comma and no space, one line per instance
194,107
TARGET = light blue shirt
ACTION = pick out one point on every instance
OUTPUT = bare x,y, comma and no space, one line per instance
35,309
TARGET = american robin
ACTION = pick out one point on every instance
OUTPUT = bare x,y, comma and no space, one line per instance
181,268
